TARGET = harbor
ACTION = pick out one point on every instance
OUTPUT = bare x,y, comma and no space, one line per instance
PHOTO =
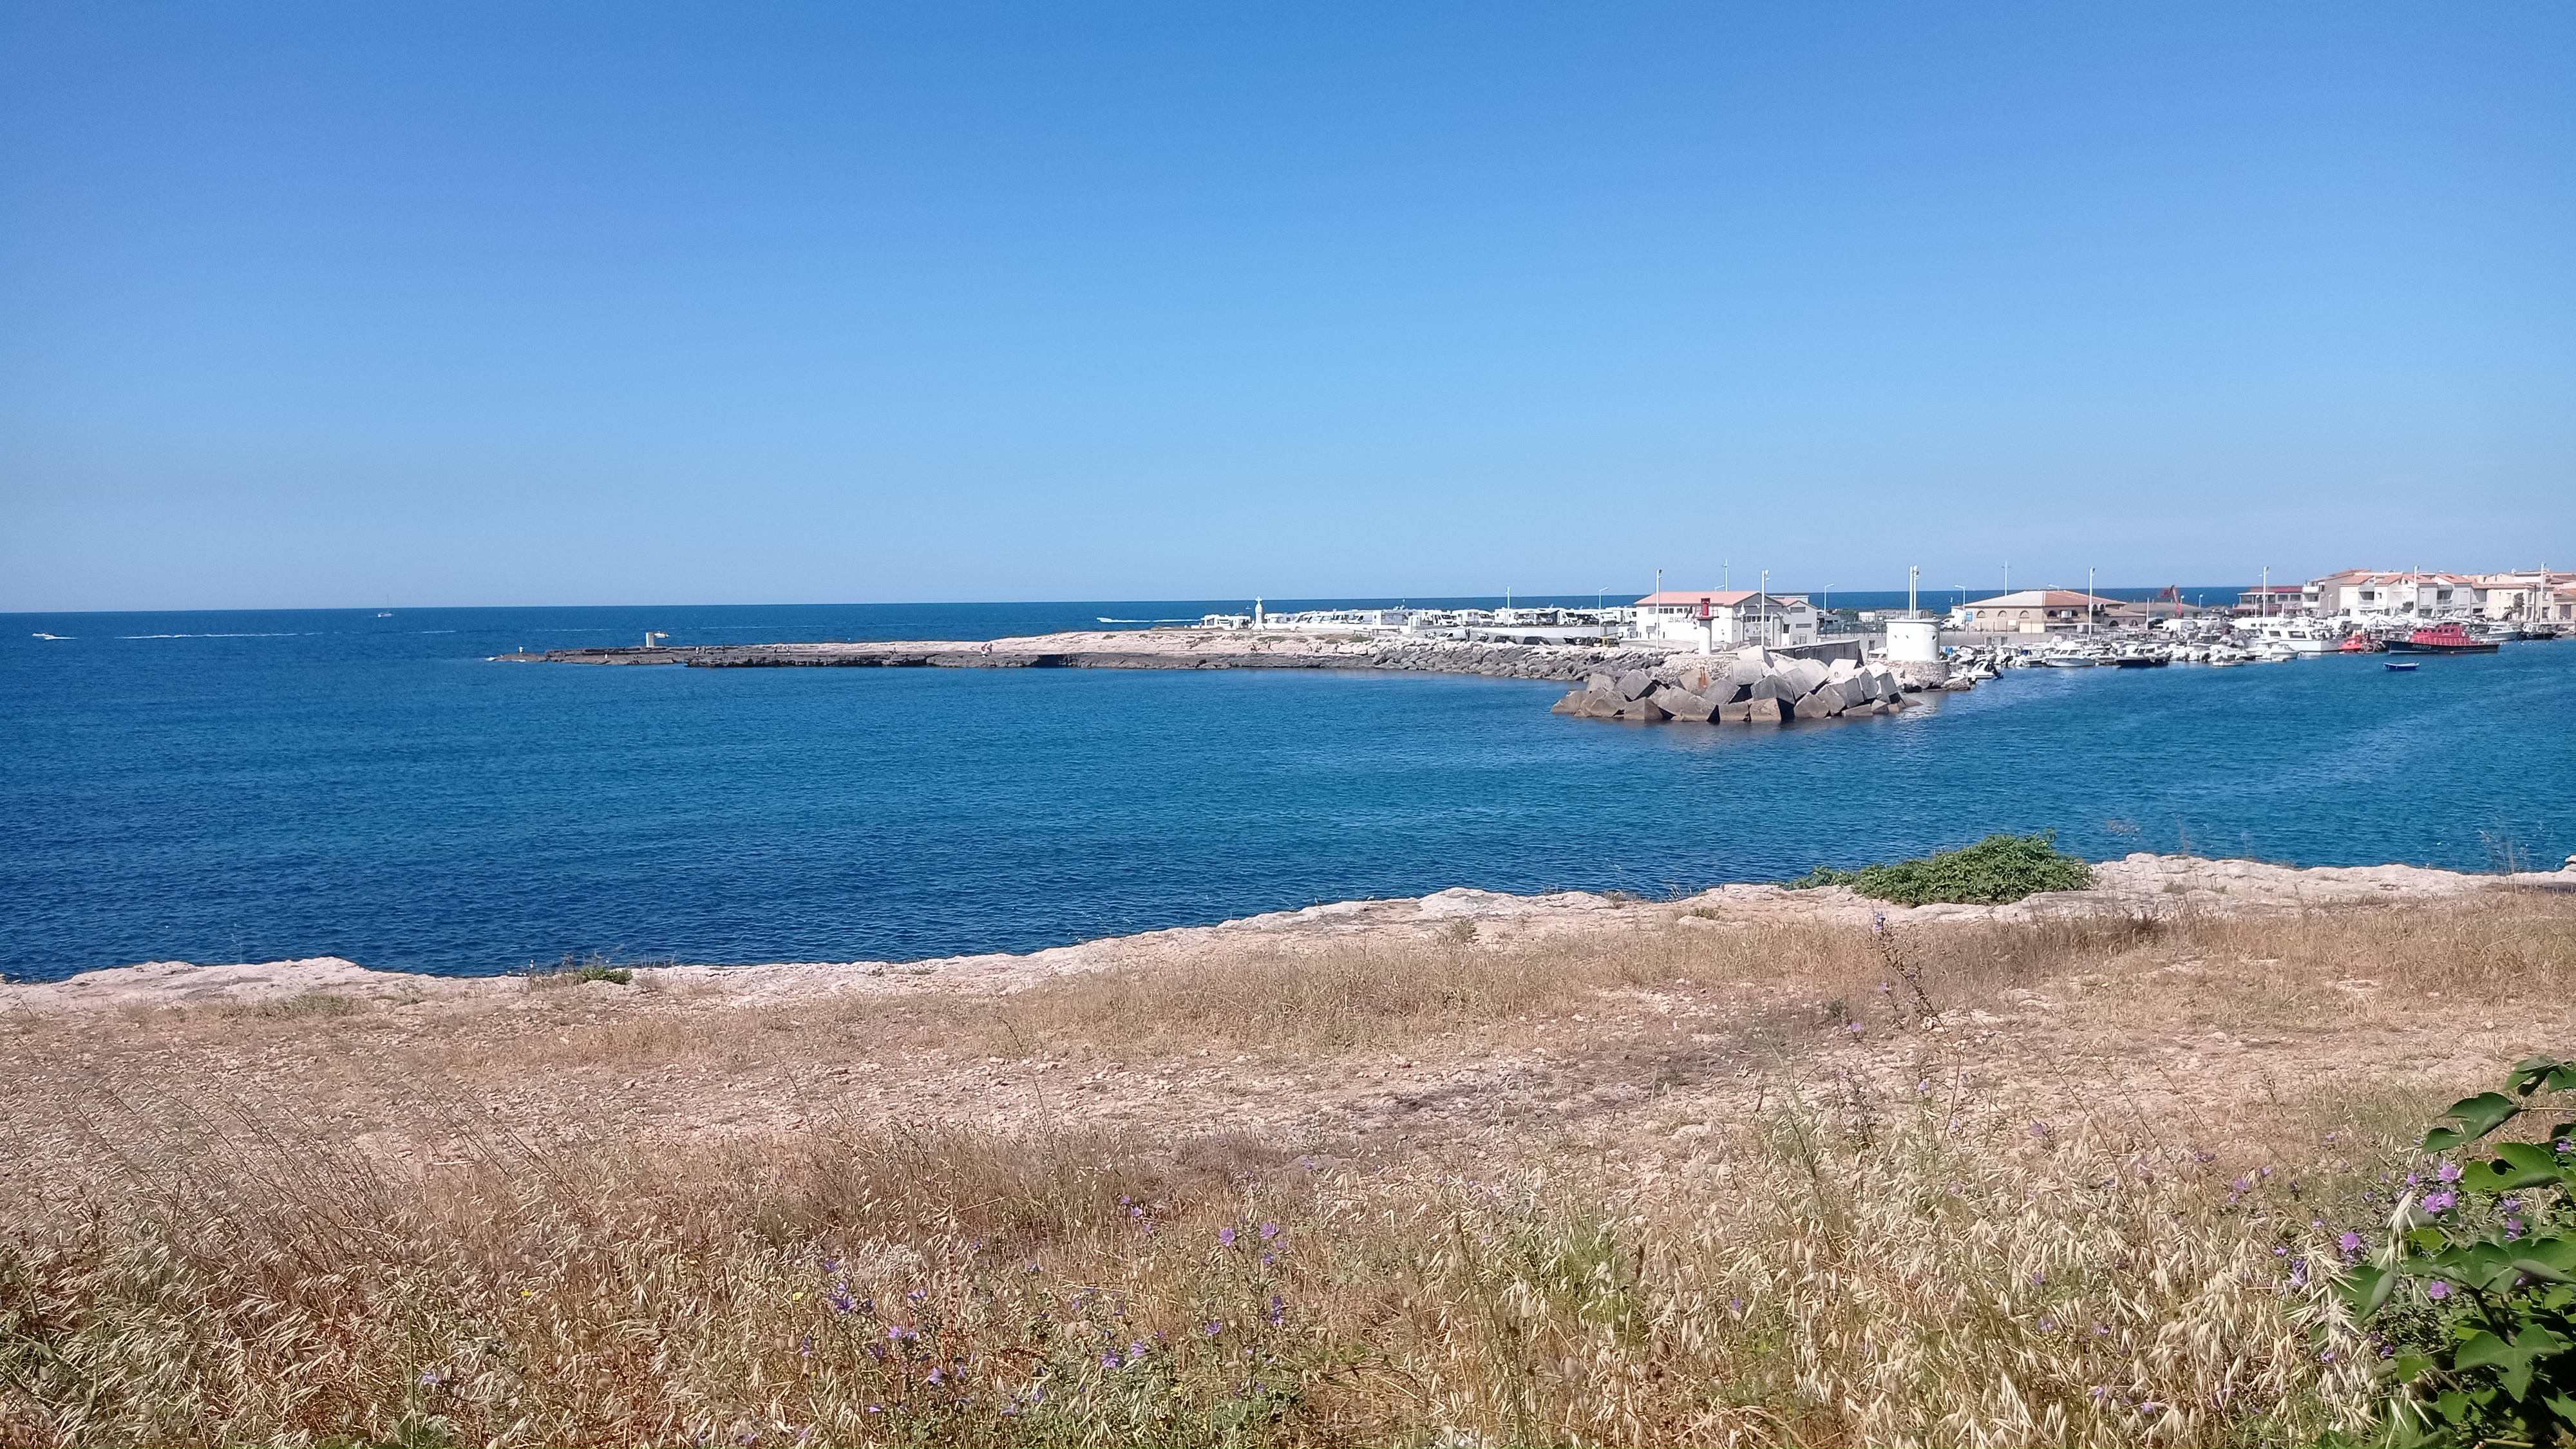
1741,656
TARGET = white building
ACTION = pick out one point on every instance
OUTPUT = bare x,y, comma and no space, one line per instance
2530,596
1726,618
2365,592
2039,611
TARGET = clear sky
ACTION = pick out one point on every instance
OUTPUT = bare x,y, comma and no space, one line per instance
488,304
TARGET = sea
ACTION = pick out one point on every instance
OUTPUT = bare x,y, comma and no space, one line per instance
372,784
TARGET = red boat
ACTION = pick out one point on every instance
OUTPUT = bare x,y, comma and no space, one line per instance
2442,639
2358,642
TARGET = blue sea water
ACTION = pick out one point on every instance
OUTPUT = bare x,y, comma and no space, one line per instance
241,786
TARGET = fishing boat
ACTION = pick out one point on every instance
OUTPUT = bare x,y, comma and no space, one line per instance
2442,639
2140,660
2359,642
2398,667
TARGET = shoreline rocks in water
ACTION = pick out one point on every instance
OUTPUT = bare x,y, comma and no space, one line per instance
1751,686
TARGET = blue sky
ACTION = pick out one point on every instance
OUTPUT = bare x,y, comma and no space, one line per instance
484,304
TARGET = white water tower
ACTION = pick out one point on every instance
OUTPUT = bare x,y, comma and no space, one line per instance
1913,639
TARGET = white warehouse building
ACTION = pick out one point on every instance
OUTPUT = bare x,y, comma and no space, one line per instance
1726,618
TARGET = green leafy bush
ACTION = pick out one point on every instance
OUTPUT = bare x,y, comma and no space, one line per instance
1995,871
2485,1343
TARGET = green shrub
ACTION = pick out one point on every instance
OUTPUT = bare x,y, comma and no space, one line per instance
1995,871
2485,1342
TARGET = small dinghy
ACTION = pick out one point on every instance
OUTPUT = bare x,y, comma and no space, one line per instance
2396,667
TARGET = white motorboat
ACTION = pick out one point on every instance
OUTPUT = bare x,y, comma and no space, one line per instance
2297,635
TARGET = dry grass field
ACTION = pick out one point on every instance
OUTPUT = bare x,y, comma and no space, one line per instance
1678,1179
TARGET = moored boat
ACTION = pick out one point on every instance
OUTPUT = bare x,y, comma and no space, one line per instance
2441,639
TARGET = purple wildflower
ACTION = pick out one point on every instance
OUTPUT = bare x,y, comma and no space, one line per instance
2298,1272
2513,1227
2440,1202
2351,1244
2449,1172
1225,1237
841,1300
934,1376
1269,1231
1109,1359
2437,1289
1213,1327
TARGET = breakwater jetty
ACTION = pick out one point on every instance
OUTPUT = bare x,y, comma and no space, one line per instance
1753,686
1635,682
1170,649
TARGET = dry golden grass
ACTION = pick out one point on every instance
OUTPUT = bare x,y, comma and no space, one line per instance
1680,1184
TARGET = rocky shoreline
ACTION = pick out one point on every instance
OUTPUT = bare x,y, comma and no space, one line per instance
2141,886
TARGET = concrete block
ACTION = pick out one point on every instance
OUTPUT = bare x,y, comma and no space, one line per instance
1642,711
1823,704
1600,683
1571,704
1635,684
1682,704
1740,712
1600,706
